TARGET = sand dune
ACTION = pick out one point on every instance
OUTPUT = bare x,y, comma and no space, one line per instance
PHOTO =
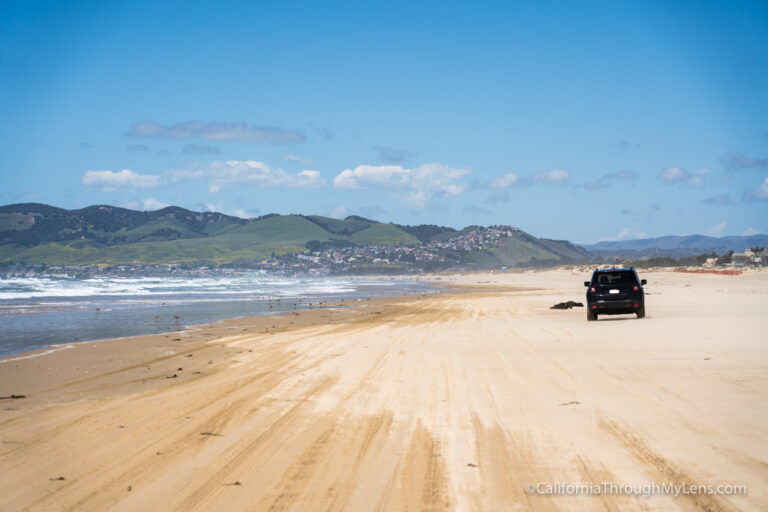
453,401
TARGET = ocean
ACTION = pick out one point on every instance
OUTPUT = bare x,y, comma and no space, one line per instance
40,312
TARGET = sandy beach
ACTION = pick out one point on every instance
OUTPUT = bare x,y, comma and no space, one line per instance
461,400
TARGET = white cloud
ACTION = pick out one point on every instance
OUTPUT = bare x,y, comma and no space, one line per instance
223,173
503,181
153,204
298,159
309,179
149,204
500,184
422,184
125,179
762,190
624,234
338,212
365,176
219,174
672,175
629,234
556,176
752,231
218,208
697,179
716,230
243,214
758,194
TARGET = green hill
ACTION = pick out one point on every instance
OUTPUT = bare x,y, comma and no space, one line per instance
343,227
40,234
31,224
523,248
429,232
36,233
382,234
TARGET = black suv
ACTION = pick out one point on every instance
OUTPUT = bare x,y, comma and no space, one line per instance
615,291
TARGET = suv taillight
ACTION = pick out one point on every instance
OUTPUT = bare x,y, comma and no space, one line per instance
592,289
635,288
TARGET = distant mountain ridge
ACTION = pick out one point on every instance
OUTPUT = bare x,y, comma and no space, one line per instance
676,246
33,233
30,224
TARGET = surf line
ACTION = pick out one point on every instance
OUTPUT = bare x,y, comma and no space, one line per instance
38,354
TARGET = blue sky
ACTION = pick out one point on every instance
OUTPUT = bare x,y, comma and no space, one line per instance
572,120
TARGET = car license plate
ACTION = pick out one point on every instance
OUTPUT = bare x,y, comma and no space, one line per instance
614,291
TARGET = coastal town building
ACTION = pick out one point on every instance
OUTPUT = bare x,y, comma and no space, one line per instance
756,257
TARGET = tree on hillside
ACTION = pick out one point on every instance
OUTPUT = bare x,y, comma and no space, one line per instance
725,260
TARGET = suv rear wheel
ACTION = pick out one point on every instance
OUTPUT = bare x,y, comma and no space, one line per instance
641,312
591,315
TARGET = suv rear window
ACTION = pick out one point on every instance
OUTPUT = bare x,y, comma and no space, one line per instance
615,277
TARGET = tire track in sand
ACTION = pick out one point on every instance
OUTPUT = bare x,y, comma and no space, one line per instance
663,469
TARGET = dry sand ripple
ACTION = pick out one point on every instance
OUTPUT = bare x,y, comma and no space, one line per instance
453,401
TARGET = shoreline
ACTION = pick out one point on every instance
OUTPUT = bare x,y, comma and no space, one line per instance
437,287
236,304
56,347
451,401
110,355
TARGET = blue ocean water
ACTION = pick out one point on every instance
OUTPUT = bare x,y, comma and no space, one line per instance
37,312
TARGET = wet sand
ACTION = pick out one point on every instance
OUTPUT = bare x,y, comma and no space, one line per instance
452,401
